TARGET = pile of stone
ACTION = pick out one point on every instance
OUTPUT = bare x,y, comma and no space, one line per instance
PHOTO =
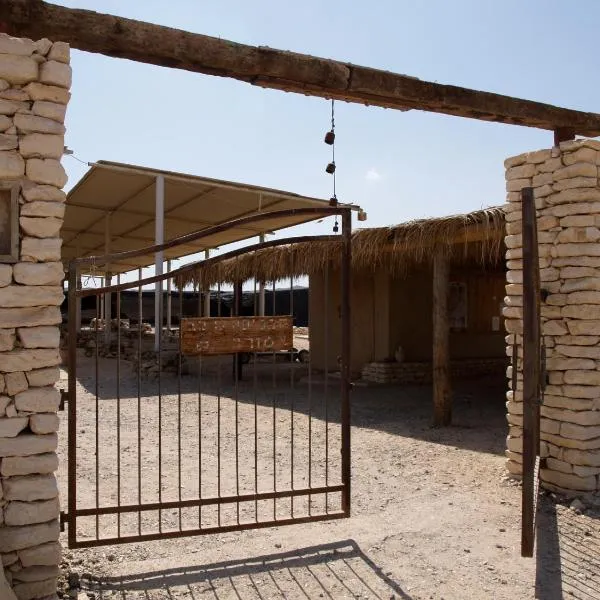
422,372
34,90
567,198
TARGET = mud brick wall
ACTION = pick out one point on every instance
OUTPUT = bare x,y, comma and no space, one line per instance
567,197
34,91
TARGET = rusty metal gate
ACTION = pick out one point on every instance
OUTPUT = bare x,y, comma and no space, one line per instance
533,372
191,437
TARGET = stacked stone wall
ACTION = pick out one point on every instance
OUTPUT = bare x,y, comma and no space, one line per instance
567,197
34,91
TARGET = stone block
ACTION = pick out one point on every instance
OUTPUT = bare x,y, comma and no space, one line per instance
550,165
590,458
581,169
576,261
43,209
552,328
36,573
576,182
10,428
47,227
51,93
582,311
561,401
4,402
592,352
515,444
18,70
542,179
573,196
36,589
578,221
47,423
549,426
5,124
42,46
45,336
7,339
29,465
577,340
556,300
579,235
29,316
558,465
40,249
578,272
27,123
581,327
516,185
578,417
59,74
568,481
60,52
513,161
580,432
15,382
44,145
38,400
25,538
46,170
8,142
33,192
39,274
570,364
26,513
11,107
12,165
16,45
43,377
50,110
520,172
44,554
28,488
581,155
17,296
5,274
28,359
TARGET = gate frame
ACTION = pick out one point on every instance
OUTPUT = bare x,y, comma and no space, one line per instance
70,517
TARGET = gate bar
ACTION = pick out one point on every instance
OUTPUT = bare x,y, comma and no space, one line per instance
531,369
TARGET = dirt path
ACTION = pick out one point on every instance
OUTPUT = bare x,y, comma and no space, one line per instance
432,514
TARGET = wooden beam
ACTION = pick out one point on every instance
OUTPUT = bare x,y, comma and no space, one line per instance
267,67
442,394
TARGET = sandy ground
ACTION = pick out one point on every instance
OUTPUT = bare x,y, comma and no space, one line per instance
433,516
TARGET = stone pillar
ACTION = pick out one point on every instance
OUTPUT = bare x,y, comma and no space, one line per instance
567,196
34,91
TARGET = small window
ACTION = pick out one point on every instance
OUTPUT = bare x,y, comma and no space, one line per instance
9,222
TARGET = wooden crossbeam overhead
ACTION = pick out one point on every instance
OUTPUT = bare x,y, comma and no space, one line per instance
278,69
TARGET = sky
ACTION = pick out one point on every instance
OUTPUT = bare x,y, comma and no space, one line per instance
396,165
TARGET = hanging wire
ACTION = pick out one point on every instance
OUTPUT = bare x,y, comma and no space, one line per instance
331,167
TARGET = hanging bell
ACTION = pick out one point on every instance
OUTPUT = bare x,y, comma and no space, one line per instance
335,227
330,168
333,201
362,215
330,138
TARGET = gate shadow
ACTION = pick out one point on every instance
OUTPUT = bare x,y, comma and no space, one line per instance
567,553
336,570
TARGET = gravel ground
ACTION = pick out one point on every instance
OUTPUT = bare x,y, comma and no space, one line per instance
433,515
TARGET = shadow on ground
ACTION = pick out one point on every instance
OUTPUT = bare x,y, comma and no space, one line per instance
337,570
568,553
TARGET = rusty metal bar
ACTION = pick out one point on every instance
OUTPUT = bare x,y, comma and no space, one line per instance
346,357
72,392
148,537
531,369
211,261
208,501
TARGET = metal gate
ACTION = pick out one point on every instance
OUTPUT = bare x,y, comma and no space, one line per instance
533,372
164,443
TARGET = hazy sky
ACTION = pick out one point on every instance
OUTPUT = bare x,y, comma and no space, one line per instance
396,165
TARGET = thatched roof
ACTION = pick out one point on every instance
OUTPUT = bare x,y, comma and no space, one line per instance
473,238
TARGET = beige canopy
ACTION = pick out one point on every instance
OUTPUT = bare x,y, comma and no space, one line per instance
117,207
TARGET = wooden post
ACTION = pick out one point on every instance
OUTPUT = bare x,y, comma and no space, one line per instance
442,395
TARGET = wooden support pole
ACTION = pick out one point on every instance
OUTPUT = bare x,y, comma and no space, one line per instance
442,395
278,69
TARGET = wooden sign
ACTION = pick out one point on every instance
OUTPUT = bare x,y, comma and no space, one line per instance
228,335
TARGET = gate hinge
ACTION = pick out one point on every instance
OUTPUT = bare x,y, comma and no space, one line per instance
64,395
64,519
